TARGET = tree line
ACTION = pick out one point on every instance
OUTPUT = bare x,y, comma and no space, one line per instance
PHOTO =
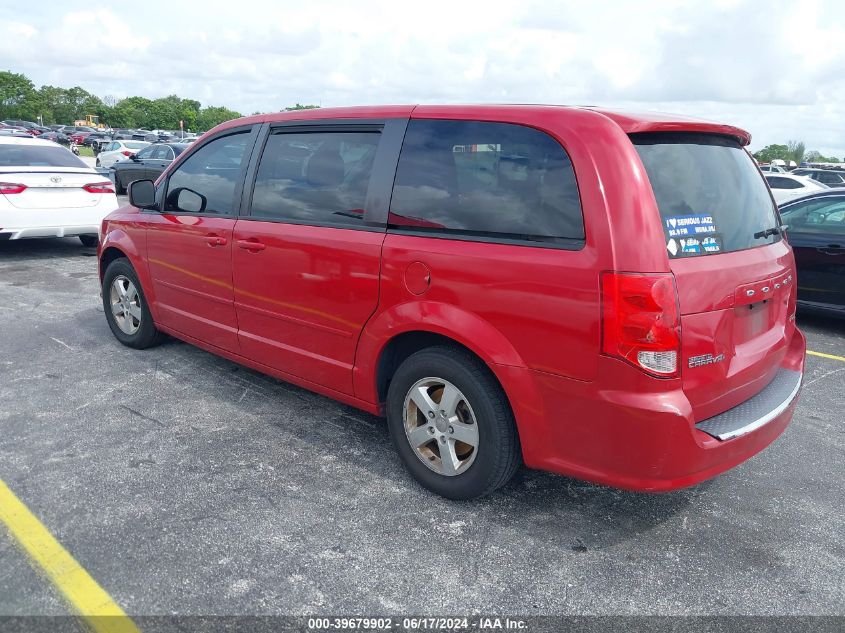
20,99
793,150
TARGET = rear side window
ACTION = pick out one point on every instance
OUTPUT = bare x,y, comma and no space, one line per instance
711,196
37,156
778,182
487,180
318,178
213,172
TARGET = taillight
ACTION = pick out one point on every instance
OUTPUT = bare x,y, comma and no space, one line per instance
641,321
99,187
9,188
127,153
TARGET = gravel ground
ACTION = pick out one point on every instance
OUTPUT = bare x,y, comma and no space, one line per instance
186,484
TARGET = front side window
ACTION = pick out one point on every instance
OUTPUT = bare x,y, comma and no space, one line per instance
314,177
147,152
211,174
488,180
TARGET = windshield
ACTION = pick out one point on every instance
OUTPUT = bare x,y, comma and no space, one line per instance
711,196
136,144
37,156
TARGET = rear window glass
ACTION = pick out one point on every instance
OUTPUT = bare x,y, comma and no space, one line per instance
135,145
37,156
711,196
486,180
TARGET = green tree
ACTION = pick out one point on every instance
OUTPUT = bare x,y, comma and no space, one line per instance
214,115
299,106
17,96
796,151
772,152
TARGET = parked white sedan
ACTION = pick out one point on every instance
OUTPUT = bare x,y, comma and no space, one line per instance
118,150
46,191
786,186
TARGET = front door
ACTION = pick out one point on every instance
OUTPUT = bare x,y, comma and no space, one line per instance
135,168
159,161
306,259
189,243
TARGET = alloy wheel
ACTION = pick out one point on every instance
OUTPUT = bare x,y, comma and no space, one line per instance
440,426
125,304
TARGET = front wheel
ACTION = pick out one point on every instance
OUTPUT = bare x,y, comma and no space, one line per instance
126,307
452,424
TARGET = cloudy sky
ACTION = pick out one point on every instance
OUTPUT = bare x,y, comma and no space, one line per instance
774,68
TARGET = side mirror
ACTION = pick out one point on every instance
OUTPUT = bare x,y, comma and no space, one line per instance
142,194
190,201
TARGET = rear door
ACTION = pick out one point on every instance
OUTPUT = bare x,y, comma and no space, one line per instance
189,242
734,271
817,236
306,257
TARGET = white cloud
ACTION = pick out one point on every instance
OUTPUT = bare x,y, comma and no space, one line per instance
777,69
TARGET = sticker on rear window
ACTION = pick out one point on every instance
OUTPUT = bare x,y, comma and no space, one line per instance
686,246
684,225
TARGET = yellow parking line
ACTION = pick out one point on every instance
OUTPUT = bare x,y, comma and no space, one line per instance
82,592
830,356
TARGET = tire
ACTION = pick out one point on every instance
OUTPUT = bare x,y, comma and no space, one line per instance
89,240
97,162
482,406
141,333
119,189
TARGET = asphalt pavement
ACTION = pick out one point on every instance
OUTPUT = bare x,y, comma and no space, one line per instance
186,484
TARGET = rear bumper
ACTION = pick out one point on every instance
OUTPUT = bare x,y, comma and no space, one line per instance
637,433
48,231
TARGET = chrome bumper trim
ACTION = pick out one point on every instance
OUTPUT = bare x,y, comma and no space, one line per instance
757,411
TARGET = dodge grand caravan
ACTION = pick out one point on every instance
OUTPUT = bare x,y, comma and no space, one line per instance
599,294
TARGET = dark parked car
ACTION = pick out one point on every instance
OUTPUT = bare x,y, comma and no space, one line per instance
18,123
148,164
829,177
817,235
97,140
56,137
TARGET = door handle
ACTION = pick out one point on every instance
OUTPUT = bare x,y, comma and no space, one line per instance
216,240
251,245
831,249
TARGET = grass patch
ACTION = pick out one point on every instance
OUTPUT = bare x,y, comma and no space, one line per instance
86,151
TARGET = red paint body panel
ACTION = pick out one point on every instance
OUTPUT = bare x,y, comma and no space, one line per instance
317,306
190,264
301,303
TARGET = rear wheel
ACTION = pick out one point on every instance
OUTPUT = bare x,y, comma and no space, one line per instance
126,308
452,424
88,240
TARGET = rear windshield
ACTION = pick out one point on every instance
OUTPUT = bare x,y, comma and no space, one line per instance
37,156
711,196
135,144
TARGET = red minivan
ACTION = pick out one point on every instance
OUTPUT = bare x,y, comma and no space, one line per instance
599,294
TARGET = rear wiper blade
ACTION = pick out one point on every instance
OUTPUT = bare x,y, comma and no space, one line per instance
772,231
